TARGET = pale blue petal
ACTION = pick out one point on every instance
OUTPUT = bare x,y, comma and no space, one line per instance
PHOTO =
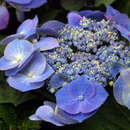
47,44
46,113
34,117
10,38
46,74
14,71
18,48
118,89
126,97
20,82
74,19
37,64
6,65
28,27
19,1
51,27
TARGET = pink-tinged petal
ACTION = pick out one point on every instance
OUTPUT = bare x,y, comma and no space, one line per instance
19,1
47,44
28,27
6,65
51,27
10,38
74,19
4,17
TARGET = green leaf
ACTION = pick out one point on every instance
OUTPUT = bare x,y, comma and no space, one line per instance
10,95
104,2
29,125
9,114
72,4
3,125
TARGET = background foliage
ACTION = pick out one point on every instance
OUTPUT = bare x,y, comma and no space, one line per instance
16,107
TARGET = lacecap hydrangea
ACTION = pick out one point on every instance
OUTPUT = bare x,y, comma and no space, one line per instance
84,63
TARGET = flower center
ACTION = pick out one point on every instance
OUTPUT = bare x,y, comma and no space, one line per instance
31,75
19,58
81,98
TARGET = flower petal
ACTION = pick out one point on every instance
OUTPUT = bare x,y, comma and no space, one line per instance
35,4
5,64
47,44
57,80
37,65
19,1
124,32
28,27
18,49
20,82
93,103
46,74
116,68
96,15
74,19
4,17
51,27
10,38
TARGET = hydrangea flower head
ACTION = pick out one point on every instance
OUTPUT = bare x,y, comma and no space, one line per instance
81,96
33,74
4,17
16,55
25,30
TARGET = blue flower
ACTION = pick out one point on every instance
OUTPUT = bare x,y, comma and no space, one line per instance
81,96
16,55
51,113
121,88
122,21
4,17
33,74
25,30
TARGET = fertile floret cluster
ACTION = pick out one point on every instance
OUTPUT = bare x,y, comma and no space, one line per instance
88,49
